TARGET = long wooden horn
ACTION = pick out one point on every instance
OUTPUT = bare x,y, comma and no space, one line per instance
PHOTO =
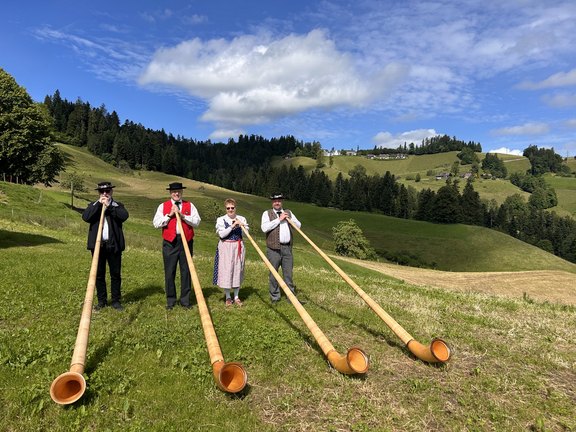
68,387
354,362
438,352
230,377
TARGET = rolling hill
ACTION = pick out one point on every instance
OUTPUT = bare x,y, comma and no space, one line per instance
405,171
148,369
444,247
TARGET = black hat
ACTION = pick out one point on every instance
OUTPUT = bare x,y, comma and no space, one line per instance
175,186
276,196
104,185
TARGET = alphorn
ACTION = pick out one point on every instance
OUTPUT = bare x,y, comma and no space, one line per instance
68,387
438,352
354,362
229,377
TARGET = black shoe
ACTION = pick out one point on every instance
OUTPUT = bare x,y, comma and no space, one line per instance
169,307
117,306
302,302
100,306
274,302
187,306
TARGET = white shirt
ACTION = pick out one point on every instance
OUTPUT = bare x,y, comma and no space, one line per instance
268,225
221,229
161,220
105,231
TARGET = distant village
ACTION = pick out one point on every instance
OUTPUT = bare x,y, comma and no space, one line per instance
383,156
395,156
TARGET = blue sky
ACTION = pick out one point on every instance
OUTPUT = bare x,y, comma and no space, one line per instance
347,74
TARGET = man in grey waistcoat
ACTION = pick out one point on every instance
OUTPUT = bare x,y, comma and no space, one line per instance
279,243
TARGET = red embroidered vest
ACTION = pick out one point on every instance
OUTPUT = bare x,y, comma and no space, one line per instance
169,231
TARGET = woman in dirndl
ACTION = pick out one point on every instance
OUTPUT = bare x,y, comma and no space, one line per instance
230,253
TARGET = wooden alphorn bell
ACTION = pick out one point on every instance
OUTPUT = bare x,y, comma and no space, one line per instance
229,377
68,387
354,362
438,352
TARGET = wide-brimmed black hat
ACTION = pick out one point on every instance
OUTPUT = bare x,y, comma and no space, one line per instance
276,196
175,186
104,186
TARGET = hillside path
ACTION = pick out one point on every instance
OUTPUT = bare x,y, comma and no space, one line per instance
555,286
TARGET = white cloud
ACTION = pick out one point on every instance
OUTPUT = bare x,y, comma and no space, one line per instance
525,129
571,123
256,79
506,150
560,100
194,19
223,135
153,17
379,57
560,79
110,59
388,140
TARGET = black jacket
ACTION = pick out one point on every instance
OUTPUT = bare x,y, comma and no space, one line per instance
115,214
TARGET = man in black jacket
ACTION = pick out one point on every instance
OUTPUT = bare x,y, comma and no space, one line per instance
112,243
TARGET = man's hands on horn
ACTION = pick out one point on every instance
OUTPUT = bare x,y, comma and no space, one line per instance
105,200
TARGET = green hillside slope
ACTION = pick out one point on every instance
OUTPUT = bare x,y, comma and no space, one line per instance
148,369
429,165
412,165
445,247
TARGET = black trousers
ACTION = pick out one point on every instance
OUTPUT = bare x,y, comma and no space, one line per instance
174,255
114,260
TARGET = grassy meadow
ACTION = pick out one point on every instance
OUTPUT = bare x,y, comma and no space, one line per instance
148,369
406,170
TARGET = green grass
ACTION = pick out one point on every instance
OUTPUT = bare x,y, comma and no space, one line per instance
414,164
445,247
565,188
497,189
148,370
406,169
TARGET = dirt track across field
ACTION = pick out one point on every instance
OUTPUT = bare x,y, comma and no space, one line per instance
542,285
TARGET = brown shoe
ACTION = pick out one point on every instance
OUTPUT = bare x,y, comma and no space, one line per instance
228,302
238,302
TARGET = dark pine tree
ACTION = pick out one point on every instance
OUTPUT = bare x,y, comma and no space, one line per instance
446,207
472,207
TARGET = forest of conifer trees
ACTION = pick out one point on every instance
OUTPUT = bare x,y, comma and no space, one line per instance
244,165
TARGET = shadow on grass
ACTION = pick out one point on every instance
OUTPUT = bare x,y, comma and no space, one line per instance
126,318
78,210
397,343
142,292
276,308
17,239
308,338
376,333
210,291
214,291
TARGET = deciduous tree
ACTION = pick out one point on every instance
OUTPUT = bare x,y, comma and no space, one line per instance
350,241
26,151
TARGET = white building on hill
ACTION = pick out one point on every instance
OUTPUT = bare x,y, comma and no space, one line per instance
331,152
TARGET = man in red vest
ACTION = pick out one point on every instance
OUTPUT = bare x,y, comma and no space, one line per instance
172,246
